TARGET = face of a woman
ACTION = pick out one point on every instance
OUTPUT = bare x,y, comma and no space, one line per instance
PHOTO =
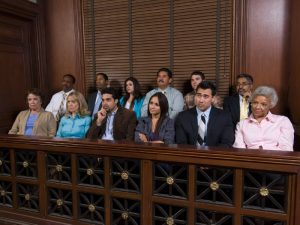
260,106
154,107
129,87
72,105
34,102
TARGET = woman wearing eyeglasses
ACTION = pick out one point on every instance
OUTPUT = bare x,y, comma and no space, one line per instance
262,129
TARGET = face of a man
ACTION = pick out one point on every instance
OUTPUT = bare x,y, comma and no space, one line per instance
109,103
260,106
67,83
203,99
195,81
101,83
243,87
163,80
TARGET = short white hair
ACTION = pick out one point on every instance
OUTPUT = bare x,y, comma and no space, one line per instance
268,92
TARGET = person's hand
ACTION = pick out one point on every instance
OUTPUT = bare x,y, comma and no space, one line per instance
157,142
101,116
143,137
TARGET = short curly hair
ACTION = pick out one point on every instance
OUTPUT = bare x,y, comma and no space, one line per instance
268,92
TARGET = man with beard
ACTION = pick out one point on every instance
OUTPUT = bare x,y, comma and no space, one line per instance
238,105
113,122
95,98
57,105
175,98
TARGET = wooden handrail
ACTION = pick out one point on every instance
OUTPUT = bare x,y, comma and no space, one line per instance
156,180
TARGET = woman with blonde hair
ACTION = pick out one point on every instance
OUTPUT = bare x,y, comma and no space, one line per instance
76,122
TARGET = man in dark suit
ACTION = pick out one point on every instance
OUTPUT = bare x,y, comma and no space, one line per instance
204,125
113,122
95,98
238,105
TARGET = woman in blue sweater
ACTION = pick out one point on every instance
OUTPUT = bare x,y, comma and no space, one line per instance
133,98
76,121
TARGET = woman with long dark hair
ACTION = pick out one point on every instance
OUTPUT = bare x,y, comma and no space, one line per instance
157,127
133,98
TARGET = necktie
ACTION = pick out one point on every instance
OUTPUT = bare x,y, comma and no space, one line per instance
201,130
97,104
61,108
244,109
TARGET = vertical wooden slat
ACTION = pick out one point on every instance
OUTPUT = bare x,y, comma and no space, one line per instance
42,177
107,201
238,195
192,194
147,184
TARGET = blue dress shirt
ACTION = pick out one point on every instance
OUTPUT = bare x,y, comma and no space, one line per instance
70,127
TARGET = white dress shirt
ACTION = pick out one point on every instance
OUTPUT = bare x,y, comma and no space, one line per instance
55,101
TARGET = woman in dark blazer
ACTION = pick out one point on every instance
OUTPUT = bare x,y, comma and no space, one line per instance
157,127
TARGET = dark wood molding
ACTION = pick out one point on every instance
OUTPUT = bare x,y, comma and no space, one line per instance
240,38
276,171
22,42
79,45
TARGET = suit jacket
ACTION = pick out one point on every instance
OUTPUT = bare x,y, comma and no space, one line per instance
91,102
45,124
123,126
220,131
232,105
166,131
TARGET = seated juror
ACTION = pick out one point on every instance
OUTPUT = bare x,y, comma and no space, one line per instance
204,125
76,122
113,122
157,127
35,120
262,129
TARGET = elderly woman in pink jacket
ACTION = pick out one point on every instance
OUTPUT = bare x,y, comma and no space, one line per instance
262,129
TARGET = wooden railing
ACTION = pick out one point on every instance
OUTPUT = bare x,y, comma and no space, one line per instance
59,181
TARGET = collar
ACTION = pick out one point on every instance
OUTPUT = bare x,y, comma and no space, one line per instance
165,90
114,112
67,92
269,117
206,112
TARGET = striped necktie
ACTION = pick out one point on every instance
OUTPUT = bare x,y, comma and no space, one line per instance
61,112
97,105
202,129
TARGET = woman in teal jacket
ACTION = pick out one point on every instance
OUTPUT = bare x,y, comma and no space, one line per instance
76,121
133,98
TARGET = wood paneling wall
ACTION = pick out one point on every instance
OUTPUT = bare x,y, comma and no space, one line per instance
266,30
293,80
22,60
63,42
262,42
